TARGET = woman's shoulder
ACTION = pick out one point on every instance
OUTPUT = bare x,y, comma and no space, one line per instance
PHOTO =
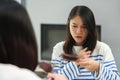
13,72
102,47
101,44
59,44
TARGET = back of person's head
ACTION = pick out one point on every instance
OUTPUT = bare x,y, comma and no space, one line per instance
17,39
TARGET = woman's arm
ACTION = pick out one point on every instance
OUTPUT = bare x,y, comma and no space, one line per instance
108,69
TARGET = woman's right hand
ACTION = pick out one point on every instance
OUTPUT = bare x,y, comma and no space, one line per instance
84,53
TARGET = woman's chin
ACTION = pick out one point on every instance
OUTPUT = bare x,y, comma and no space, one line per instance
78,43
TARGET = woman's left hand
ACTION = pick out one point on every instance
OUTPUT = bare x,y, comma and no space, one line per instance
89,64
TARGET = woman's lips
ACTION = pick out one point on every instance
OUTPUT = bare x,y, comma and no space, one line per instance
78,36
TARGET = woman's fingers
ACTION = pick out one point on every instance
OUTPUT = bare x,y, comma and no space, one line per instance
83,53
88,52
84,50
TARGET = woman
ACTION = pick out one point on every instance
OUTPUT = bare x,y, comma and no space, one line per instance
18,47
81,56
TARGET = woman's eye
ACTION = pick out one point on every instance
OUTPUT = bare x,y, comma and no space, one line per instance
74,26
84,27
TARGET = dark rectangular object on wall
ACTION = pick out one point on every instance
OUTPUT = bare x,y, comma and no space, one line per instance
99,32
50,35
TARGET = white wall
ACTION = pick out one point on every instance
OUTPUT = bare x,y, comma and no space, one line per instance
107,14
18,1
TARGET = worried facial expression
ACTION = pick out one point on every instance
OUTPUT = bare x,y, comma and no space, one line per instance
78,30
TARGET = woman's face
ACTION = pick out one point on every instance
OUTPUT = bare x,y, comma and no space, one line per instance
78,30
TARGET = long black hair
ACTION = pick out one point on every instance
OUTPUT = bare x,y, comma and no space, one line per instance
88,19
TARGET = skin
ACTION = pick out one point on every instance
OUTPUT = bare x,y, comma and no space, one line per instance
53,76
89,64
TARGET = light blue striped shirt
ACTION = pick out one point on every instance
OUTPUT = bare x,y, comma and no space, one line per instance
101,53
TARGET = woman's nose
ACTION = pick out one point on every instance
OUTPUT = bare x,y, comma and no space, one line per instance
79,30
